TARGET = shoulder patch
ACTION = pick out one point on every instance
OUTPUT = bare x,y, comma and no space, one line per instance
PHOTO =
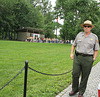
97,41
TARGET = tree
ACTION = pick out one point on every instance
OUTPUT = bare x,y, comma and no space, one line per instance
74,13
46,9
6,19
17,14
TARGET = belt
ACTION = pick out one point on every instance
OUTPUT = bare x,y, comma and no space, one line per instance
82,54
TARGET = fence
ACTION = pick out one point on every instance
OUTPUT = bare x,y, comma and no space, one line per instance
25,77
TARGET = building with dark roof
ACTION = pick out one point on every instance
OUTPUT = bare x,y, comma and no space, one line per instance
29,33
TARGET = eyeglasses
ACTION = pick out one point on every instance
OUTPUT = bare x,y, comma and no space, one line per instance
87,26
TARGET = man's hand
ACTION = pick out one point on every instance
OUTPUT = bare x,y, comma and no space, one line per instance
94,59
95,55
72,56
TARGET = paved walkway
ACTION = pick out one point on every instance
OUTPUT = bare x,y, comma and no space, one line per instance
92,86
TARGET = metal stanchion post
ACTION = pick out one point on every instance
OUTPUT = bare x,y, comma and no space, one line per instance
25,78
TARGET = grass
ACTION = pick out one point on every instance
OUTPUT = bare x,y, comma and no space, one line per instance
44,57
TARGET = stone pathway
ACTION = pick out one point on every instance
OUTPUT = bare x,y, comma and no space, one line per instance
92,86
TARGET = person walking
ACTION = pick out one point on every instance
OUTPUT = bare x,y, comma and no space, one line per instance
85,54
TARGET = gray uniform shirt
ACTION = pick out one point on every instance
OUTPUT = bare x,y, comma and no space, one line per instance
86,45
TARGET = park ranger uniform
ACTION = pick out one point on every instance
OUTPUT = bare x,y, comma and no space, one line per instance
83,59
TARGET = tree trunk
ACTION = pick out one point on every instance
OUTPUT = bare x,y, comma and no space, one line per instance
14,35
65,38
9,35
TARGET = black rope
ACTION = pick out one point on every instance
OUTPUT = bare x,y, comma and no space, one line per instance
49,74
13,78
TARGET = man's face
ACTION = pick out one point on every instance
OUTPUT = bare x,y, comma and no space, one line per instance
87,28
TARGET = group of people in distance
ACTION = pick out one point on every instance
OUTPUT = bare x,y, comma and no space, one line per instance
47,40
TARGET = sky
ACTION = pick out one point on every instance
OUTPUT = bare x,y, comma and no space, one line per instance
53,2
98,0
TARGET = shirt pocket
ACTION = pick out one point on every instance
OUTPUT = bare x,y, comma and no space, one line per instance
90,44
79,43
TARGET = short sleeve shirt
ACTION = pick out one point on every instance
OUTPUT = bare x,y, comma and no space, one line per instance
86,44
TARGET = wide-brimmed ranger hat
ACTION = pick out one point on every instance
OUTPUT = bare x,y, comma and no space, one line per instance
87,22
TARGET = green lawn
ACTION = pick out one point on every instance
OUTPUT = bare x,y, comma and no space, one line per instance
44,57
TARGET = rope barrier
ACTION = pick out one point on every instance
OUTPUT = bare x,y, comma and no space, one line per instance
49,74
13,78
25,78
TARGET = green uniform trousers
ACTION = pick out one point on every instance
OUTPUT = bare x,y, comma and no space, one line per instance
81,66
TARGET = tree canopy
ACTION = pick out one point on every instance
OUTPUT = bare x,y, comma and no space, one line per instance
16,14
75,12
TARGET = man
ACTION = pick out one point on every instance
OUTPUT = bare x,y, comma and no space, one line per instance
85,54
